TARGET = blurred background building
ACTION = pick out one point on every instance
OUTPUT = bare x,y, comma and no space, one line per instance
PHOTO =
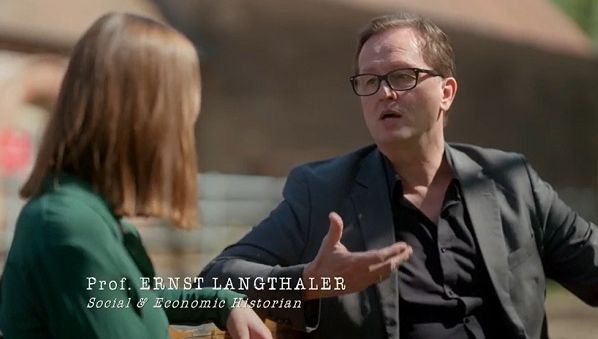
276,94
526,83
35,40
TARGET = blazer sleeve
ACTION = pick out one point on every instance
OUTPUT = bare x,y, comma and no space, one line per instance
274,248
63,269
569,244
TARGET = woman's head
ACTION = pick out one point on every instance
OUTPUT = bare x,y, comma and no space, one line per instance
124,119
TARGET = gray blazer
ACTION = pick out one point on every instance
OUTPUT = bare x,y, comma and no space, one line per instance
525,235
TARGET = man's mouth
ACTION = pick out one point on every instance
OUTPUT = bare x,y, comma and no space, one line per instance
388,114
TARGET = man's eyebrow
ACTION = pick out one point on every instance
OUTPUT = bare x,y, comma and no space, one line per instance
401,65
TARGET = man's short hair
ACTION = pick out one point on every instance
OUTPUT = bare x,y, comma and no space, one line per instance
434,44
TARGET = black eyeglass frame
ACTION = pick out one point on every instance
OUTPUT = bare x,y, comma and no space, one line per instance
385,78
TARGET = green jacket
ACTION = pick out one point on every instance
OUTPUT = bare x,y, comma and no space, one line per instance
65,236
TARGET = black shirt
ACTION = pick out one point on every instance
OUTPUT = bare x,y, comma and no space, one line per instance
444,290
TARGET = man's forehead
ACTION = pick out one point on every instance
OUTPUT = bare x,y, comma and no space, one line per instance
402,38
396,44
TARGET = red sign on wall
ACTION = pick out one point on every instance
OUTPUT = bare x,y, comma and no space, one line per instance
15,150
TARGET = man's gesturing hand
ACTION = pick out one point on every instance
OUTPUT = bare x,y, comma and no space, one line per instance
359,269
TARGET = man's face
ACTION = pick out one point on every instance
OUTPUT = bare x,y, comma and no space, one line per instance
394,117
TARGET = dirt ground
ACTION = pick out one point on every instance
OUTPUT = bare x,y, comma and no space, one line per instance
569,318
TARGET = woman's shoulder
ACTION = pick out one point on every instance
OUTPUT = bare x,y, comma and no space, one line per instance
65,215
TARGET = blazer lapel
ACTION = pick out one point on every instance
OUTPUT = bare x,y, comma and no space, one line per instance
479,193
370,197
372,202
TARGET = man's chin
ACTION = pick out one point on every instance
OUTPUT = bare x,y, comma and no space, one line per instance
397,138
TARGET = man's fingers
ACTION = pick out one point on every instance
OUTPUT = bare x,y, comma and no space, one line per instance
389,260
335,231
399,248
380,256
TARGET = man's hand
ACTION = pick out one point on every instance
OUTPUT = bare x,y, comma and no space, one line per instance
359,269
244,323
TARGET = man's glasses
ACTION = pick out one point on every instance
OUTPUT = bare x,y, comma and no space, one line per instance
402,79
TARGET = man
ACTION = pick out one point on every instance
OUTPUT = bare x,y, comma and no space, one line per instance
473,232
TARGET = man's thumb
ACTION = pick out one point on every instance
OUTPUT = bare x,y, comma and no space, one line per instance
336,229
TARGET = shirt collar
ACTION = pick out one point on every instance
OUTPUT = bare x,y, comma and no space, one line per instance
393,178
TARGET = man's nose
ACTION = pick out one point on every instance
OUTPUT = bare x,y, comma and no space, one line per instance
387,91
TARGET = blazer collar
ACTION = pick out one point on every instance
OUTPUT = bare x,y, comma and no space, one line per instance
123,231
72,185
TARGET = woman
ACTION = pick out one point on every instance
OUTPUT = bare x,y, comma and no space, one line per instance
119,144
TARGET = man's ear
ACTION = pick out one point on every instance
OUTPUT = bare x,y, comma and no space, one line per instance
449,90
